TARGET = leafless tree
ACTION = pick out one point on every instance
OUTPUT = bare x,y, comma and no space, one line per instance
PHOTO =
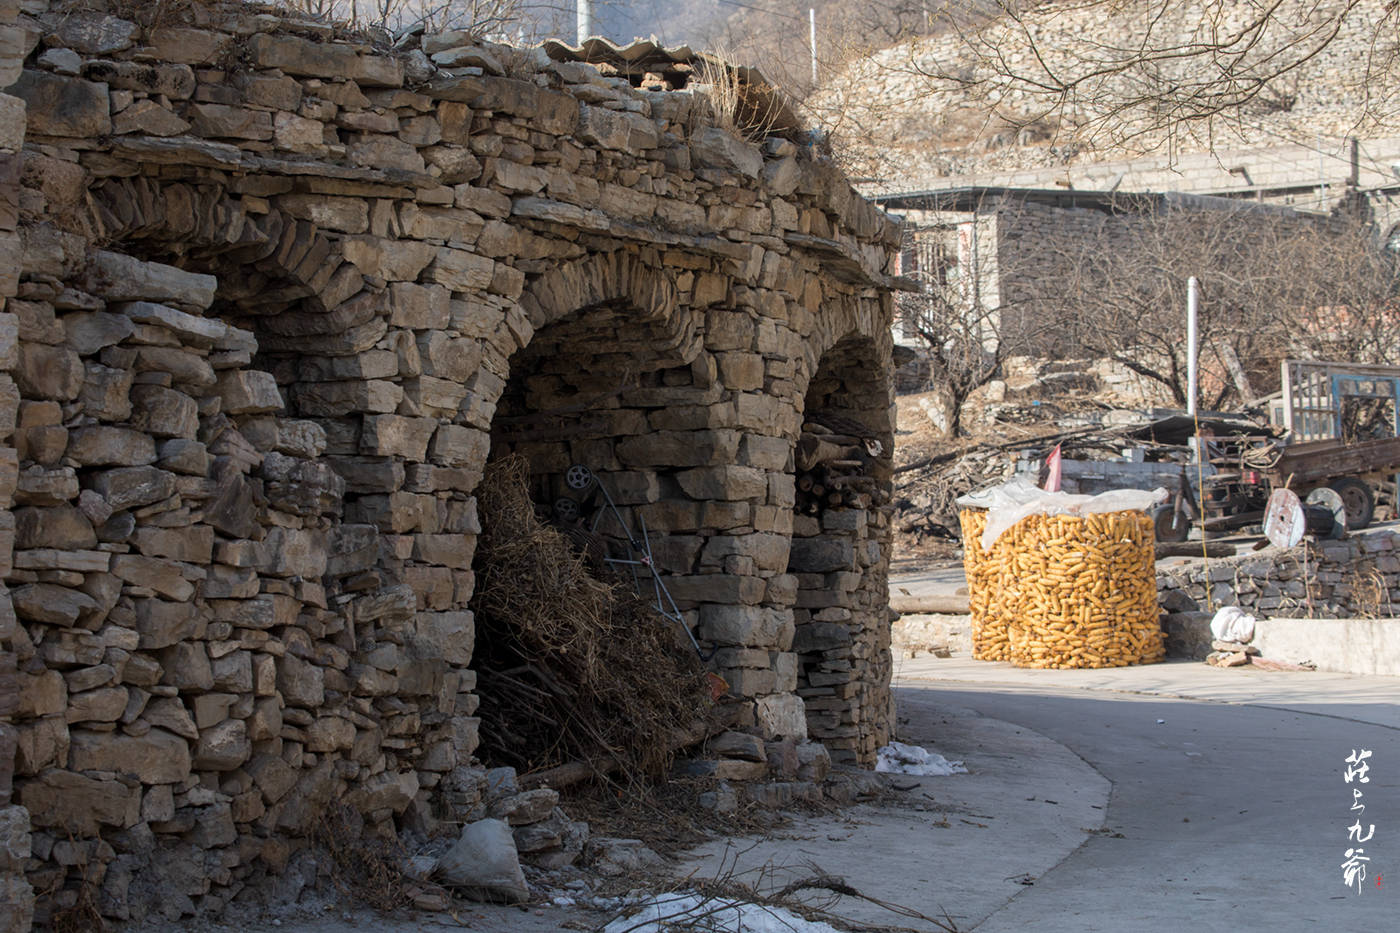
1159,68
515,19
1273,285
966,324
1007,276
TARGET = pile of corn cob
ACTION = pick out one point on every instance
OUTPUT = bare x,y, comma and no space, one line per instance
1065,591
984,586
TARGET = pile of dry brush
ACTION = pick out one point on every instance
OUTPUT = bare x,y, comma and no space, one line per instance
570,667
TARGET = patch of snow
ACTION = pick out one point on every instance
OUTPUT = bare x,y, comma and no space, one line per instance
713,916
898,758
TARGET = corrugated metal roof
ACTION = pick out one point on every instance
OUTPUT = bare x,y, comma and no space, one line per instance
639,52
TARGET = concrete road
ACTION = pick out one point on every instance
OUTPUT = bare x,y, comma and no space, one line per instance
1082,812
1228,811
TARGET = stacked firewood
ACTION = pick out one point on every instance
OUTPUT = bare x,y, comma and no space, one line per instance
839,470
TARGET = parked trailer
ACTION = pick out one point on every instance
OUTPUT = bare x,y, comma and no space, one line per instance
1343,468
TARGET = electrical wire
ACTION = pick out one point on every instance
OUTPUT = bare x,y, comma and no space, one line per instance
759,9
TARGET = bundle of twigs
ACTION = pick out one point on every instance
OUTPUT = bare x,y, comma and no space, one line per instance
570,666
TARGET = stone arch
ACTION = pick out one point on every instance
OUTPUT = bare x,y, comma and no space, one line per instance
616,278
621,315
840,549
266,263
306,426
608,370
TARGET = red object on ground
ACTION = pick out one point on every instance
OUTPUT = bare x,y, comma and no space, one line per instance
1052,460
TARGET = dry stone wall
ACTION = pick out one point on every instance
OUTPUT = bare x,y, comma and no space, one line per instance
1356,578
16,894
839,562
279,297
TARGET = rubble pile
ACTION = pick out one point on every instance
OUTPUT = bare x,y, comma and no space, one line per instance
926,494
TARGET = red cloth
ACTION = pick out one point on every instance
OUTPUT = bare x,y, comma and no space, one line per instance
1052,462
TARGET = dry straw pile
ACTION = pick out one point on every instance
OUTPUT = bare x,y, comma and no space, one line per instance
571,667
1065,591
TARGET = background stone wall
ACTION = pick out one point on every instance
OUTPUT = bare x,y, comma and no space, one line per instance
899,127
1356,578
282,295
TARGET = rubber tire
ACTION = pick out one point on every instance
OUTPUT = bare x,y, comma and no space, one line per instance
1360,501
1166,529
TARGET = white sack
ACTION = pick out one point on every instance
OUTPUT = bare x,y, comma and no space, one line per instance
1232,623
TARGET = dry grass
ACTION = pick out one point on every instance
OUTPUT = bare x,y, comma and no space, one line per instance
668,816
81,917
367,870
815,897
571,667
743,104
1370,597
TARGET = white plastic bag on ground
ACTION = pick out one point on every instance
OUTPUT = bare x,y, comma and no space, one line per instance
1012,501
485,864
681,910
898,758
1232,623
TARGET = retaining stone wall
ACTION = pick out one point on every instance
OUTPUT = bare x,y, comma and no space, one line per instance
1358,577
274,316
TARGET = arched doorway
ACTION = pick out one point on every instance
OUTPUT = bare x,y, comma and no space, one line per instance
840,551
603,410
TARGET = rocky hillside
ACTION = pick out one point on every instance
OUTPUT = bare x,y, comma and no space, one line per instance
900,116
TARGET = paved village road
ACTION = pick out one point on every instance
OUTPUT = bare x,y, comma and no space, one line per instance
1228,811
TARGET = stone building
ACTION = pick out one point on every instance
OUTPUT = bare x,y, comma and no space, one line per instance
998,251
264,289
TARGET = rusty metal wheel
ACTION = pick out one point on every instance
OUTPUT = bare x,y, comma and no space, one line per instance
1360,502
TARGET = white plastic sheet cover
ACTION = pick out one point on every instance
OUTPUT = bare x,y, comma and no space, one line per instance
898,758
1012,501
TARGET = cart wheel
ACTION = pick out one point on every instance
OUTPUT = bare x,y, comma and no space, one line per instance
1325,497
566,510
1169,524
1359,500
579,476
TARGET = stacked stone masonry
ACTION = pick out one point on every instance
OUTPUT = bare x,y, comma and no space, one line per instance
271,298
1356,578
16,893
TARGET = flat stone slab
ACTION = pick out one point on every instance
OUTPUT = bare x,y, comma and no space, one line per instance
1345,646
